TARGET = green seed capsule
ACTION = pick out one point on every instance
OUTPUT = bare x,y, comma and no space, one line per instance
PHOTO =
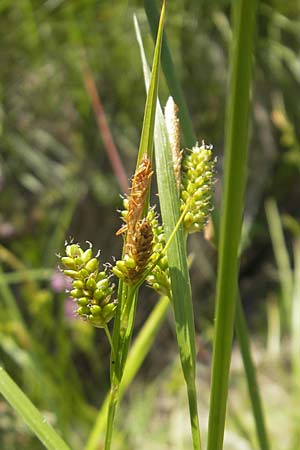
121,265
83,310
95,310
73,250
103,284
78,284
84,273
76,293
91,284
68,262
185,195
108,308
105,300
118,273
78,261
189,218
91,265
83,301
130,262
99,294
72,274
87,255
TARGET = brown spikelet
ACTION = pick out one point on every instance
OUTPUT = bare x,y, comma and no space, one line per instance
140,249
136,200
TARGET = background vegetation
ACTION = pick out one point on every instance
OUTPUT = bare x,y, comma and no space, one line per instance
56,181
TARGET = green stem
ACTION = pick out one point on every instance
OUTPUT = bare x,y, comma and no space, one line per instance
136,356
113,402
108,335
127,305
193,408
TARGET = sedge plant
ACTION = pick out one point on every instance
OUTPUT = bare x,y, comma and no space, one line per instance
147,252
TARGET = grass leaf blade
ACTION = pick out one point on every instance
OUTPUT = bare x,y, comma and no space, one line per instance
35,421
231,217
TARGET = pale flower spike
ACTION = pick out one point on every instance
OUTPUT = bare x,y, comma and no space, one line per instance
197,186
173,130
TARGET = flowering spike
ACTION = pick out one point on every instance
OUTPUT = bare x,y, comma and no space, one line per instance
91,289
137,255
196,188
139,236
159,278
135,203
173,130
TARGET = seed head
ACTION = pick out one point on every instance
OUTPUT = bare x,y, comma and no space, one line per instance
91,288
197,185
137,253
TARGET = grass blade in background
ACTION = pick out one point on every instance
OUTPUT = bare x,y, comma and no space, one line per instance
231,217
282,261
250,372
295,319
20,276
169,69
35,421
177,259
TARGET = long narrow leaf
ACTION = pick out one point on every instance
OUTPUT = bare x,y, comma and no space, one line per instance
35,421
170,74
282,260
146,142
254,394
231,217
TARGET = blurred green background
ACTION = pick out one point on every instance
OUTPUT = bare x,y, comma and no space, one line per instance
56,181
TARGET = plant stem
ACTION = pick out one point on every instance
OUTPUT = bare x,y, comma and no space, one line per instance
136,356
128,295
113,402
108,335
193,408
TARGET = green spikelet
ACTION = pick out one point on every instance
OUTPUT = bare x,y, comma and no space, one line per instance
159,279
91,288
196,188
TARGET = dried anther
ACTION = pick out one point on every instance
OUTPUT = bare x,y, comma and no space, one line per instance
138,253
139,235
135,203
